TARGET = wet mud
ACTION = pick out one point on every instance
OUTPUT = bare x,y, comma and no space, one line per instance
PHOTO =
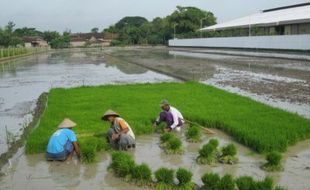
33,172
23,80
280,82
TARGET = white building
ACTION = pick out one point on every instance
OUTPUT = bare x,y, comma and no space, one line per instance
279,28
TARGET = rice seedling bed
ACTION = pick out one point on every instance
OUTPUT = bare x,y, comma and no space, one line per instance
254,124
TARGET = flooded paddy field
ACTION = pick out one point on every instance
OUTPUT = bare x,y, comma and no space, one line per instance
23,80
280,82
33,172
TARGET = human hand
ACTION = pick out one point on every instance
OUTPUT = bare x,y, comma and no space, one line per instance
168,129
115,136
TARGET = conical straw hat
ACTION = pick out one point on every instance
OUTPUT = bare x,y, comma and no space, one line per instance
109,113
66,123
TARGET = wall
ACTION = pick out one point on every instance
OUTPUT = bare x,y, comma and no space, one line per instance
287,42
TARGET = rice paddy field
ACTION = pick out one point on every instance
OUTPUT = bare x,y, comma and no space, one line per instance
258,126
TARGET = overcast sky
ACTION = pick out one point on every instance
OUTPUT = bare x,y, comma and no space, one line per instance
82,15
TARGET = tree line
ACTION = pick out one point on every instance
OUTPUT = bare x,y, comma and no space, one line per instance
184,22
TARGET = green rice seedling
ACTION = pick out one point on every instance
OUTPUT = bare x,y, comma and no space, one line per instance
89,146
227,183
214,142
122,164
211,181
193,134
164,138
164,179
174,146
185,179
266,184
88,152
207,154
246,120
273,162
228,155
245,183
280,188
142,175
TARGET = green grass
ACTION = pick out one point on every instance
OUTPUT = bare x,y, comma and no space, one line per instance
193,134
273,162
254,124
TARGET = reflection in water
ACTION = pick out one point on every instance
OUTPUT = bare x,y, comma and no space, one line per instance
24,79
33,172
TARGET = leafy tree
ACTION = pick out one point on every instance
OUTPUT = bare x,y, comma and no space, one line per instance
50,35
25,31
94,30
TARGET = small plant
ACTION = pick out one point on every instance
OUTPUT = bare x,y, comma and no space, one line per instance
280,188
227,183
193,134
207,154
164,178
142,175
245,183
185,179
214,142
164,138
89,147
273,162
211,181
228,154
122,164
266,184
174,146
88,153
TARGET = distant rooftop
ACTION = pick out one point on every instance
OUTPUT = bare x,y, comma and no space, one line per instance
299,13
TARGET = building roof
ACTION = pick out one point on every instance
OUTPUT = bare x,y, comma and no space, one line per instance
278,16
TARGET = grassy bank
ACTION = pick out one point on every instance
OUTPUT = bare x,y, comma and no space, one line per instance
11,53
256,125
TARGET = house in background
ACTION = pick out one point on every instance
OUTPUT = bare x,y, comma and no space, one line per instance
34,41
91,39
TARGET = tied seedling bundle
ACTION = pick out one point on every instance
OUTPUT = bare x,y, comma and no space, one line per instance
193,134
171,143
273,162
208,152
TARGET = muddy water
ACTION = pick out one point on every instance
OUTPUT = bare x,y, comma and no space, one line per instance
33,172
23,80
280,82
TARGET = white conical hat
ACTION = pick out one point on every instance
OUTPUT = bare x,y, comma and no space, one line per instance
109,113
66,123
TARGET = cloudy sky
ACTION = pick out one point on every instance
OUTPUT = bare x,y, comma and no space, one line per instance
82,15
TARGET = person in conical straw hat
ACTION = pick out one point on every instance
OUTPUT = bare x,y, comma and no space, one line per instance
63,143
120,134
171,116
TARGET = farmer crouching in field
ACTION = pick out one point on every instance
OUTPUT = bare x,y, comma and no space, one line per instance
63,143
171,116
120,134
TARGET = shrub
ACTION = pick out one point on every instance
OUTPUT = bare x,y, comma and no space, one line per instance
211,181
193,134
142,174
164,175
184,176
245,183
273,162
227,183
122,164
